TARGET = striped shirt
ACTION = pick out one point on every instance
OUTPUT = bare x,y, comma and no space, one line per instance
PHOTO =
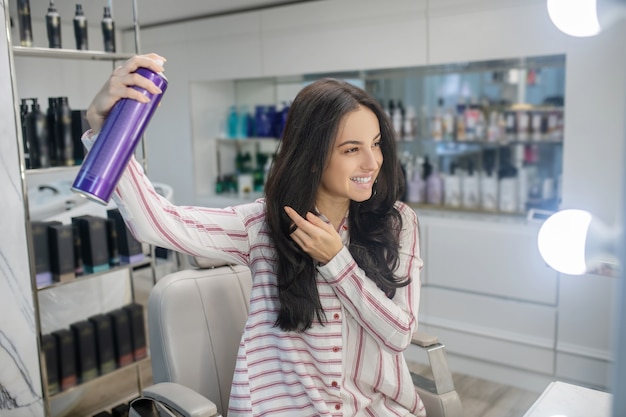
353,365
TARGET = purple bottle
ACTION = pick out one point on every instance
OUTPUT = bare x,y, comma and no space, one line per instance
120,134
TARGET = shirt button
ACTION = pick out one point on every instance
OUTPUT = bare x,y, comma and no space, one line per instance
334,384
335,349
336,316
337,406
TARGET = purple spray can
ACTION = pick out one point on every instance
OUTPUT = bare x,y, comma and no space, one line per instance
102,168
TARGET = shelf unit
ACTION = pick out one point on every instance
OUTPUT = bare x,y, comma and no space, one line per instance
504,88
29,174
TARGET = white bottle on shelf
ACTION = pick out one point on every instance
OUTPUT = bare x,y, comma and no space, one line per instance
489,191
452,188
434,187
470,189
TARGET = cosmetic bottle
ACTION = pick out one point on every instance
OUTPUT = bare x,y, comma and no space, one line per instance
489,191
470,189
241,129
416,187
26,30
448,125
508,192
459,130
37,133
452,188
434,187
23,113
396,120
64,140
120,134
108,30
436,125
52,116
409,124
53,25
233,122
427,168
80,29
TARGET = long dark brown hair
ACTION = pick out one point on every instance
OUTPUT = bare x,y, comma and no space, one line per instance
374,225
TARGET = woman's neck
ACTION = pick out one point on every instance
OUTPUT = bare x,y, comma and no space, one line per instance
335,212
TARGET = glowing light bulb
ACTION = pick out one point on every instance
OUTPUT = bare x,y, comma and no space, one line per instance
575,17
561,241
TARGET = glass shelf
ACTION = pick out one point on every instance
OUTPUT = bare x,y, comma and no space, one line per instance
70,54
134,266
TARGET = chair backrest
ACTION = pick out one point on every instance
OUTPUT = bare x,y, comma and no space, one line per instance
195,321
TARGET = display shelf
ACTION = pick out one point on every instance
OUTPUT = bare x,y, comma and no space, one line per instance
134,266
31,177
72,54
500,118
101,378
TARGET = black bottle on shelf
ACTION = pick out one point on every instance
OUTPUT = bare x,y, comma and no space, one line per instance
53,25
427,168
52,119
108,30
64,138
80,29
23,113
37,133
26,30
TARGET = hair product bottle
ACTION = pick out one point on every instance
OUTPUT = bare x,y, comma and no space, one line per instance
452,188
23,113
26,30
120,134
65,142
108,30
53,25
434,187
37,133
52,118
470,188
80,29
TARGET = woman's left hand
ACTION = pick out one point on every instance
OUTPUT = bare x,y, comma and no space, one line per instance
316,237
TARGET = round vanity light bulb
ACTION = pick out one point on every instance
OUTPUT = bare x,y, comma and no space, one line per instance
562,239
575,17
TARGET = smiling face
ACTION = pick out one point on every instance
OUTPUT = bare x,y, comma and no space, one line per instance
354,162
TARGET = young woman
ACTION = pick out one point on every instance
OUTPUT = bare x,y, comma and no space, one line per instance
334,256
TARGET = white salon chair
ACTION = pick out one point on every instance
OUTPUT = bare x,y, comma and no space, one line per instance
195,321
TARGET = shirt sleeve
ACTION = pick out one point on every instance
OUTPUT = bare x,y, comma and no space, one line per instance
197,231
391,322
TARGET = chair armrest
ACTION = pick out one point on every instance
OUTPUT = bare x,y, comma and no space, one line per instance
442,377
422,339
438,394
183,400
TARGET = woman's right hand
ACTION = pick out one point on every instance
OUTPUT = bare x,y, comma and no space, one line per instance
119,85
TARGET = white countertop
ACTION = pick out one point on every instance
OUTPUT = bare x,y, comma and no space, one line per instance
566,400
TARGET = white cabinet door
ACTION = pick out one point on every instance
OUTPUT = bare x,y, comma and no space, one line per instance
485,257
585,344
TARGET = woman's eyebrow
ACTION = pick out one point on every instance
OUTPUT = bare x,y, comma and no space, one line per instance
356,142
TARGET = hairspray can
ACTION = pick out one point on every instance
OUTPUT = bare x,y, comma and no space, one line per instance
104,164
